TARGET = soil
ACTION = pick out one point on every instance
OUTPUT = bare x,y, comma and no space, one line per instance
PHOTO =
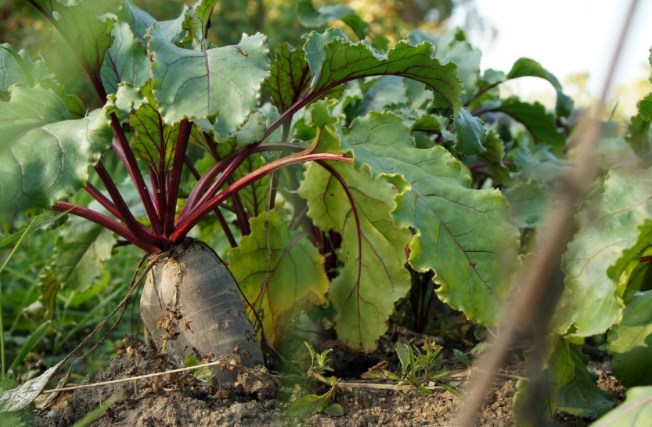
256,400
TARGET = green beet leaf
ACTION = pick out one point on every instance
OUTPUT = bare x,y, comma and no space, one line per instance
223,82
635,411
604,245
630,342
139,20
125,60
581,396
373,276
463,234
80,251
470,133
334,60
567,386
255,196
43,156
290,76
18,67
152,137
278,270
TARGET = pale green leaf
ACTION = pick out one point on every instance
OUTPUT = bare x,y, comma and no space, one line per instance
86,25
278,270
334,60
462,234
125,60
607,236
223,82
139,20
630,342
309,404
43,156
372,278
18,67
635,411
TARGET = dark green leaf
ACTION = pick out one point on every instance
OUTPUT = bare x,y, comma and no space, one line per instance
334,60
525,67
29,344
630,342
290,77
582,397
567,386
152,137
538,122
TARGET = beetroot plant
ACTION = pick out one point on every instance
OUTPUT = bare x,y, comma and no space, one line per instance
331,171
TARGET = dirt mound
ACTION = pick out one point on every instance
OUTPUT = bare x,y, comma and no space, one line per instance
182,399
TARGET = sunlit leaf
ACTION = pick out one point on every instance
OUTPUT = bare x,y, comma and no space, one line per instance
462,234
372,278
278,270
604,244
